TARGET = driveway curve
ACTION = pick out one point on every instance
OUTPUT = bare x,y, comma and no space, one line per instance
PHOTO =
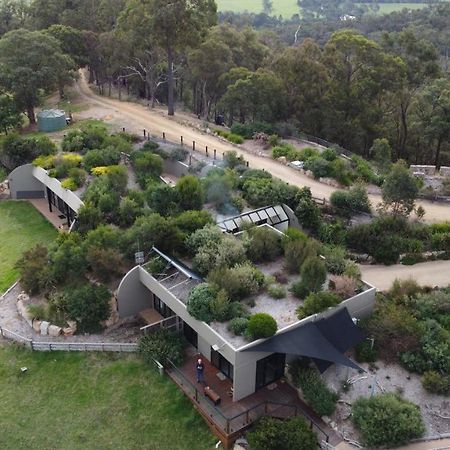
141,118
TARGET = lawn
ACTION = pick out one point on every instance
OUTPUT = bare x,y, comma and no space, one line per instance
93,401
21,227
287,8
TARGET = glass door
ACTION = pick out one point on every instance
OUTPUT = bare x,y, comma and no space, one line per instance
221,363
270,369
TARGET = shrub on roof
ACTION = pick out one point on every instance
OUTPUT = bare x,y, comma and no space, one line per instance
317,302
261,325
199,302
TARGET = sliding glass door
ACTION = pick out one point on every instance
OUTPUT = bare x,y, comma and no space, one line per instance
270,369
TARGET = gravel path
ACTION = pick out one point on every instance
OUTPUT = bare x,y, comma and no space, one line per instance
10,319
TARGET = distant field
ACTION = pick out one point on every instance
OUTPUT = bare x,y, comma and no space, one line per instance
287,8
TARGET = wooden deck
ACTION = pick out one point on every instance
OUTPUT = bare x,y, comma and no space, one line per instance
150,316
230,419
41,204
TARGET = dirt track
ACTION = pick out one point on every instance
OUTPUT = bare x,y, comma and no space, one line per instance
136,117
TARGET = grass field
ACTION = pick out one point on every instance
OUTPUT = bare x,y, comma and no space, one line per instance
287,8
21,227
93,401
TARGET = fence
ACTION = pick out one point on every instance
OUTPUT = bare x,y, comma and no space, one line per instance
69,346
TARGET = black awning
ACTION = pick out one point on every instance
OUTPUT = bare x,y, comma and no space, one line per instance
325,341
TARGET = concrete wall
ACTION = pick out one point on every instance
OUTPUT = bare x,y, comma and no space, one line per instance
23,184
176,168
67,196
28,181
132,295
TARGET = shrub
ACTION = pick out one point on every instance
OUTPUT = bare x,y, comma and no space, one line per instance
366,352
296,252
162,346
343,286
308,214
436,383
35,270
352,270
238,325
248,129
350,202
235,138
88,305
316,303
319,167
313,273
104,157
104,262
402,289
276,291
261,325
78,175
199,302
221,307
335,259
387,419
239,282
190,192
232,160
315,391
45,161
274,434
264,244
70,184
37,312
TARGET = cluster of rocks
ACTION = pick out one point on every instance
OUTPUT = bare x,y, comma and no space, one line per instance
42,326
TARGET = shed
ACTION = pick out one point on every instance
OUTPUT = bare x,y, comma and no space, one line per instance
51,120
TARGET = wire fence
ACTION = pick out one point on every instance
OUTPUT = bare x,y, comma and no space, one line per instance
121,347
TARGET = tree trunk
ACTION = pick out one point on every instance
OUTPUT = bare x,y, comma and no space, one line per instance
205,102
30,114
170,99
438,152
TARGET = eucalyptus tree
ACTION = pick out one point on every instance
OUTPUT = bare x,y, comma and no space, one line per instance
32,63
173,26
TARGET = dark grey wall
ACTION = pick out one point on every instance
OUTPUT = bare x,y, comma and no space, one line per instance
23,183
132,295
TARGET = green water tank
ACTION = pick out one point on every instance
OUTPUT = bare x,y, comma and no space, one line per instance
51,120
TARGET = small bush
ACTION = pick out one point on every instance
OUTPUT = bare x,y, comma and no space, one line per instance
235,138
315,391
404,288
37,312
365,352
261,325
345,287
276,291
316,303
199,302
412,258
436,383
313,273
162,346
274,434
296,252
264,244
70,184
238,326
387,419
350,202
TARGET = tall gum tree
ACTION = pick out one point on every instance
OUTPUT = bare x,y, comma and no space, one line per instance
31,63
174,25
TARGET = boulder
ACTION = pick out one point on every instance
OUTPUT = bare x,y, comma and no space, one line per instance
44,327
37,326
23,296
282,159
68,331
54,330
22,309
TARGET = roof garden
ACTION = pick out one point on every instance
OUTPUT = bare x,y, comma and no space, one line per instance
243,268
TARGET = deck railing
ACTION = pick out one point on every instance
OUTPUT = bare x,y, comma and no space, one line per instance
168,322
233,424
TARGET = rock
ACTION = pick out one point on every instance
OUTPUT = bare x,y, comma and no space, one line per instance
22,309
326,419
23,296
54,330
72,324
44,327
282,159
69,331
37,326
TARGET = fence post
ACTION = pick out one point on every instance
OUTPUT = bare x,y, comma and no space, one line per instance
181,139
193,145
164,135
144,132
190,159
206,150
123,129
215,151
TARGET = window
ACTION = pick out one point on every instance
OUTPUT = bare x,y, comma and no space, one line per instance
161,307
270,369
190,334
222,364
